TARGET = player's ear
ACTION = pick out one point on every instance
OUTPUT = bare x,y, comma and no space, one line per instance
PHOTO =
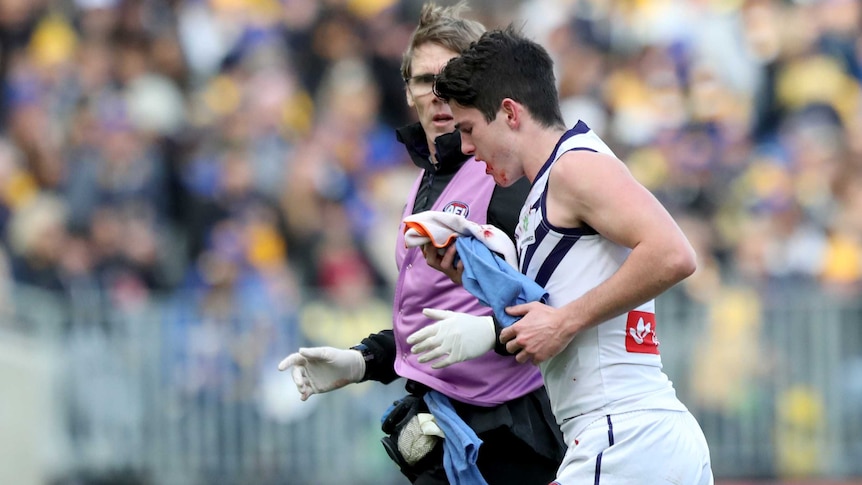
512,112
409,96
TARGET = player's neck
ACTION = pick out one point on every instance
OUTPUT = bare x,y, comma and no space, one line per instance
540,143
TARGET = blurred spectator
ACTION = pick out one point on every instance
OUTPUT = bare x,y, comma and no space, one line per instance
37,235
347,309
801,417
732,358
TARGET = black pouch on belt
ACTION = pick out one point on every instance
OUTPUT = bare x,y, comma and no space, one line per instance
402,412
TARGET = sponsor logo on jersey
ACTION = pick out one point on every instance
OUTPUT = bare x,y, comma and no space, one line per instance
458,208
640,333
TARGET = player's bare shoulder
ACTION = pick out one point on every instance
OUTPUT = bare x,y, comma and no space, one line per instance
591,177
577,182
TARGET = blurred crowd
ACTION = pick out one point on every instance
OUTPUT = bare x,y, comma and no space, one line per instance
742,116
150,146
242,151
238,159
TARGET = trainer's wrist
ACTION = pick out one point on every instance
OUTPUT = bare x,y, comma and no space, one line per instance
499,348
367,357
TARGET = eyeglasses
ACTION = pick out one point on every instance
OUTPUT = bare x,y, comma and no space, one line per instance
421,85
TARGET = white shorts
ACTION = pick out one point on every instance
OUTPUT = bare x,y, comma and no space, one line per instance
641,447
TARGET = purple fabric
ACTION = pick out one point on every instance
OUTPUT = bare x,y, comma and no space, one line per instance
489,380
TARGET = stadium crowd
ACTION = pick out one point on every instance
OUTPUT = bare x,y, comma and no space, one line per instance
151,146
238,157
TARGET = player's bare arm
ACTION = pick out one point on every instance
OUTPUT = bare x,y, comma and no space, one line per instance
587,188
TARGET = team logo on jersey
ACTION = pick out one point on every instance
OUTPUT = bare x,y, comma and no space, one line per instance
458,208
640,333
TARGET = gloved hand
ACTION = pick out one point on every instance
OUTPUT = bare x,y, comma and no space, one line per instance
323,369
459,336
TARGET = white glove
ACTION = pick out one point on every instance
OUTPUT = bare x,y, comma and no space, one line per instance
459,336
323,369
418,437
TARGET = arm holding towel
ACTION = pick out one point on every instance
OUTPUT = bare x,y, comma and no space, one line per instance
486,268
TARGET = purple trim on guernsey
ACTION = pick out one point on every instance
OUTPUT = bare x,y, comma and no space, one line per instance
585,230
553,260
578,129
539,234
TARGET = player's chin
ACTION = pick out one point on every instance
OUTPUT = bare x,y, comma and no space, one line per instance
503,180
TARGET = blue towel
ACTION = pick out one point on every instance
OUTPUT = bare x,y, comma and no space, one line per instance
461,445
493,281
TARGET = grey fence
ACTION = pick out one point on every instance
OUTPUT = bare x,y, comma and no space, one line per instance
161,392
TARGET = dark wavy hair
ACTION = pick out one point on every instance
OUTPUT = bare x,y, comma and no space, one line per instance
503,64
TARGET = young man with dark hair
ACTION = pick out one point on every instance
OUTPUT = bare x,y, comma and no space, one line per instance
602,246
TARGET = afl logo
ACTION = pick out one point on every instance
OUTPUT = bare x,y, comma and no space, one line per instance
457,208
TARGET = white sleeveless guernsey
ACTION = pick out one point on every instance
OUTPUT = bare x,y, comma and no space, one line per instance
614,367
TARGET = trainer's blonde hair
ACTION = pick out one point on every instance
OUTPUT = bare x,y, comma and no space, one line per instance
443,26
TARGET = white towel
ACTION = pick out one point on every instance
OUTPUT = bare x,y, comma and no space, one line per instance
441,228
